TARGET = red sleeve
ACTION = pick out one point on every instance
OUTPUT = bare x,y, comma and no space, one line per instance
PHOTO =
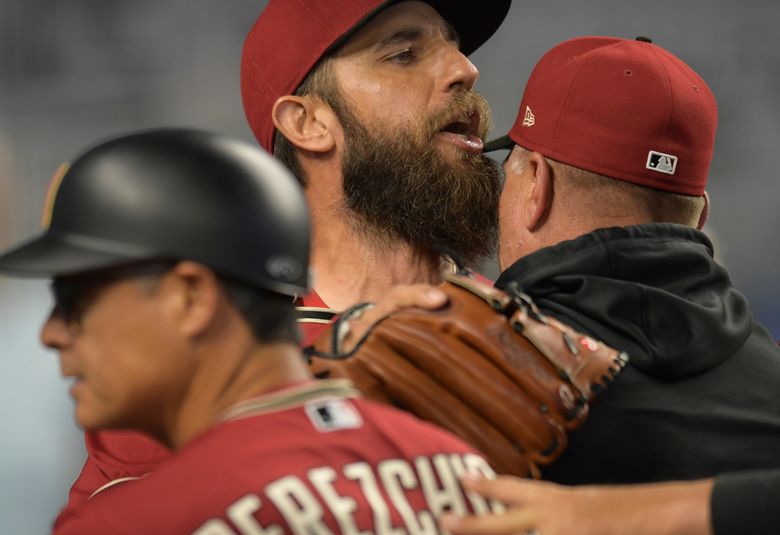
310,332
314,316
92,521
113,456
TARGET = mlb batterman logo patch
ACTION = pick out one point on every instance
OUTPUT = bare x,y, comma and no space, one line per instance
333,414
663,163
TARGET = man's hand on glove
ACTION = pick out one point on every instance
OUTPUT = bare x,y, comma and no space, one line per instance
486,365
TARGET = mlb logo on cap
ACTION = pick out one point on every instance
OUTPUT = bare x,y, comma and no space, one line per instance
625,109
663,163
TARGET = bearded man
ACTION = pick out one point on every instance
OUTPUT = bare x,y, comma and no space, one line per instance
371,104
385,133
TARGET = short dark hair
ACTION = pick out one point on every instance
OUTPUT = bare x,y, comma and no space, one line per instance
270,315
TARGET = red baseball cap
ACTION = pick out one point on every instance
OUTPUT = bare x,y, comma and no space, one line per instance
290,37
627,109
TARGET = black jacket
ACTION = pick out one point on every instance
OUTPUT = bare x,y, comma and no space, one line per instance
701,393
746,502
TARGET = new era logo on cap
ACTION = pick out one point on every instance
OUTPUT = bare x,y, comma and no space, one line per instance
663,163
529,118
603,102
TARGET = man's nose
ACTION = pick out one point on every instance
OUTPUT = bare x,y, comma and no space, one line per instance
55,332
460,73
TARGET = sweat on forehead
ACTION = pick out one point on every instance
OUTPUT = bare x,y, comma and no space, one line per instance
290,37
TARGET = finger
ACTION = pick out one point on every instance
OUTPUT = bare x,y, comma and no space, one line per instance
405,296
416,295
508,489
511,522
400,297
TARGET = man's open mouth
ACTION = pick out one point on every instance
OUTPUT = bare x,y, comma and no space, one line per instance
464,125
463,131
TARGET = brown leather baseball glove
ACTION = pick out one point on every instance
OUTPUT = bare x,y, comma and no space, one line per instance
488,366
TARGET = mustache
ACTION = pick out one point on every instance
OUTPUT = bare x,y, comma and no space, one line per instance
463,104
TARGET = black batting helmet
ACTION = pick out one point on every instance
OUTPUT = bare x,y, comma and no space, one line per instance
175,194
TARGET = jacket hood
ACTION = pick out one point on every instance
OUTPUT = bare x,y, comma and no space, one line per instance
654,291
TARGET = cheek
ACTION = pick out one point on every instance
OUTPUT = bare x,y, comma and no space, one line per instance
127,366
99,393
391,111
390,100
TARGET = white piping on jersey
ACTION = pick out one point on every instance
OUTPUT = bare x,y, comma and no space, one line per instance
315,315
291,397
314,320
116,482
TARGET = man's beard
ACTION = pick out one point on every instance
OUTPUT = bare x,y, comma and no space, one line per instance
401,187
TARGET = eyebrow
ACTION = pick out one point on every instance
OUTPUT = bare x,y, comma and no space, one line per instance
401,36
415,33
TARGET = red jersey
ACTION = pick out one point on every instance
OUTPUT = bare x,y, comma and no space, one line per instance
311,458
118,456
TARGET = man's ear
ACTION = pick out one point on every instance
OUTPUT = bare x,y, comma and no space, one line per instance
305,121
705,212
539,196
196,294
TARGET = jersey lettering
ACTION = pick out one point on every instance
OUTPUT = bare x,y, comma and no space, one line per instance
241,513
343,508
473,463
300,508
445,496
388,489
397,475
364,475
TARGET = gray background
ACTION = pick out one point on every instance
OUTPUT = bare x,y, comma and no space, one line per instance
73,72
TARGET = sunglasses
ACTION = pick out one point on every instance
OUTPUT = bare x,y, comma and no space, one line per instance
74,294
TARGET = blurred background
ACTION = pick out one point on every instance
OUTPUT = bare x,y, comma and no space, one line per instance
74,72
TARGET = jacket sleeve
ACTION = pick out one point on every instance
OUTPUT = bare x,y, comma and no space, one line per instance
747,502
